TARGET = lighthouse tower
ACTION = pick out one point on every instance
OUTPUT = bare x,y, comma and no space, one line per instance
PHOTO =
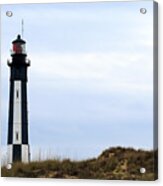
18,147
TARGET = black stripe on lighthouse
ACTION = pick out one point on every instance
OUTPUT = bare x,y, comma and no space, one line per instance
24,113
17,153
10,119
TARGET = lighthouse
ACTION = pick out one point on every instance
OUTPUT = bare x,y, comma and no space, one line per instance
17,142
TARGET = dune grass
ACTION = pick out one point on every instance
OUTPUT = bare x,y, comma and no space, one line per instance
115,163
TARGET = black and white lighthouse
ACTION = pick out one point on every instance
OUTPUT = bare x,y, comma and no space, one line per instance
18,146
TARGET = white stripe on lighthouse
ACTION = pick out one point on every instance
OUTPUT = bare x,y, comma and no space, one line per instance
25,153
17,125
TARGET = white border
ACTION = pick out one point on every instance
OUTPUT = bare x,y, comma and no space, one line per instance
60,182
58,1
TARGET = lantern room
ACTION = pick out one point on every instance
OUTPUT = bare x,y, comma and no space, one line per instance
18,46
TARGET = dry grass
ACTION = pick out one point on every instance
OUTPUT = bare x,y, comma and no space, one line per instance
114,163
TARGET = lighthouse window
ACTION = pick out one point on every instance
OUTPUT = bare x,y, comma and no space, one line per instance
17,136
17,94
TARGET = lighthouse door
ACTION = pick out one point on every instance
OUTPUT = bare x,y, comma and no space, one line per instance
16,153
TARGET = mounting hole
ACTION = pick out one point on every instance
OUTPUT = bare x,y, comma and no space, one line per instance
143,10
8,166
142,170
9,13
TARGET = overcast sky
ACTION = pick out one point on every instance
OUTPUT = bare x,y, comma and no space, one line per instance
90,81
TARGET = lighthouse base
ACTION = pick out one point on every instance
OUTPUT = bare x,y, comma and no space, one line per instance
18,152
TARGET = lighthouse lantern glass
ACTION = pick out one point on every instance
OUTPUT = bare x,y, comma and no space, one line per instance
19,48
